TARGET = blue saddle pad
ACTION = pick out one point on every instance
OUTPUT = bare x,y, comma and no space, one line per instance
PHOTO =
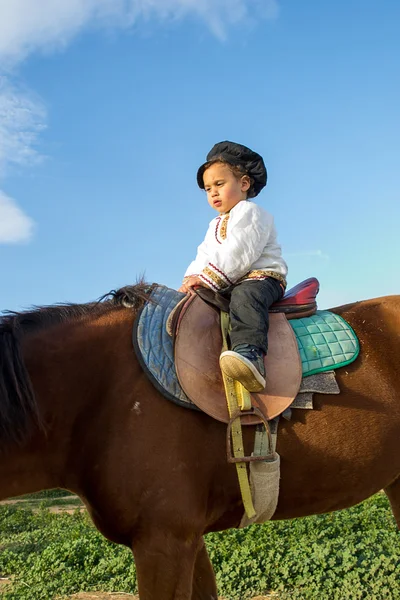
325,342
154,346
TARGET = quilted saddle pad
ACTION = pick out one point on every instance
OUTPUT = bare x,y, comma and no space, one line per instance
154,347
325,342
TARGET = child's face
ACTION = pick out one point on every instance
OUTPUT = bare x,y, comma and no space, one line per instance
223,189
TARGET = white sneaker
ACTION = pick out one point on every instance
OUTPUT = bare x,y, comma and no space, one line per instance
242,369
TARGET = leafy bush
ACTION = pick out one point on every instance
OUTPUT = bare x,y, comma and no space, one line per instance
352,555
59,554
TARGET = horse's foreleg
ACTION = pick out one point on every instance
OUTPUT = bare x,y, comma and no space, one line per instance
204,585
393,493
165,565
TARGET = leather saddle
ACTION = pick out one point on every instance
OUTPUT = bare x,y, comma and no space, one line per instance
198,341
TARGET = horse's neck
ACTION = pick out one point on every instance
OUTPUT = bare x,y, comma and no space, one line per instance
68,367
22,472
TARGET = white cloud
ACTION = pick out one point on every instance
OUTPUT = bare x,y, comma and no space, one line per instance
22,118
15,226
27,26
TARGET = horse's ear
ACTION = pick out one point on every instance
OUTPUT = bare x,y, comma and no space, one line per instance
127,303
124,297
132,296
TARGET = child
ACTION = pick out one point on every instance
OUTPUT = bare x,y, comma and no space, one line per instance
239,257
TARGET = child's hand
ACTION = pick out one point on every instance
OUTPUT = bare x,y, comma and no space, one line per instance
184,288
189,283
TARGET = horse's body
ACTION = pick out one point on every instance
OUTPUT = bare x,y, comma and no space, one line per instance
153,475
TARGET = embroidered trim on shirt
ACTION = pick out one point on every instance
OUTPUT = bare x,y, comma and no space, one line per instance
216,276
209,282
220,228
223,228
260,274
216,229
221,273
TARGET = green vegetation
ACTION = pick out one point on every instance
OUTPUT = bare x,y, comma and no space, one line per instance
47,499
56,493
348,555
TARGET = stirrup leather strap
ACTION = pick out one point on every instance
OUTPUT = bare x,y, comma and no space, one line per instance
237,397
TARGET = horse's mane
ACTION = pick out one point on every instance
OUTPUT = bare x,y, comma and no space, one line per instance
19,413
41,317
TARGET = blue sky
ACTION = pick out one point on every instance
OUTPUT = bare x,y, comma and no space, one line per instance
107,108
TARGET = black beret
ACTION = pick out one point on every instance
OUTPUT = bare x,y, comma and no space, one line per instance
237,155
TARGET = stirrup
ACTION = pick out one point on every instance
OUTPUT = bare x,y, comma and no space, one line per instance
247,459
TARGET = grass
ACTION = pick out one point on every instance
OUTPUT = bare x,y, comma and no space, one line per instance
348,555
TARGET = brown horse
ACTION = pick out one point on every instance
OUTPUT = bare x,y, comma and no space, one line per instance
77,412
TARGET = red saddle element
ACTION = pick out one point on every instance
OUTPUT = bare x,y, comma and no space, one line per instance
299,300
302,293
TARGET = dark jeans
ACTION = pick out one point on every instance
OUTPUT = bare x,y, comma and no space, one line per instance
249,302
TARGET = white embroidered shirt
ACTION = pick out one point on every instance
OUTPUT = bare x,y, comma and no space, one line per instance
239,245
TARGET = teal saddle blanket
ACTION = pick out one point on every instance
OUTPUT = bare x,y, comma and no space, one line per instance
325,342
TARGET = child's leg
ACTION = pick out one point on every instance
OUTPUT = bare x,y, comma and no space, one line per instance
249,305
